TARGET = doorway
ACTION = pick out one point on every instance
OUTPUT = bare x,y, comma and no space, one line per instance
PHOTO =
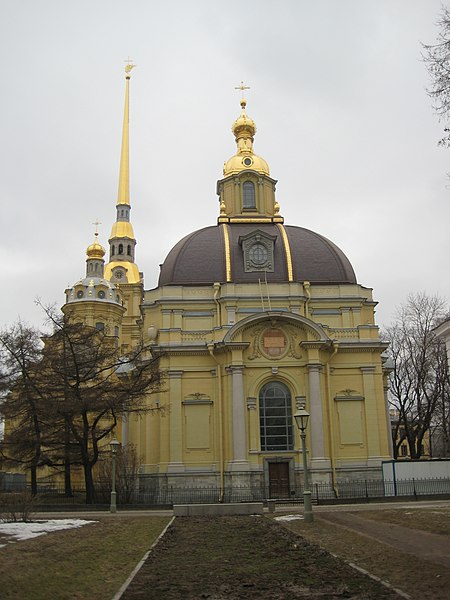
279,479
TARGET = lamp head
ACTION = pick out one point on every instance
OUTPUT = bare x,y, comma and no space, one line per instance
301,418
114,445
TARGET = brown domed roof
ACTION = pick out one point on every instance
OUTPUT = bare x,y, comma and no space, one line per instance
200,257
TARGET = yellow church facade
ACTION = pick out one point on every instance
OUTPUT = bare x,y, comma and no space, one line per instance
252,319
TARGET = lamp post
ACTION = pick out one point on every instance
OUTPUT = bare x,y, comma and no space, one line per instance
114,445
301,418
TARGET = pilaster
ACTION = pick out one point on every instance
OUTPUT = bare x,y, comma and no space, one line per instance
176,425
317,444
372,432
239,462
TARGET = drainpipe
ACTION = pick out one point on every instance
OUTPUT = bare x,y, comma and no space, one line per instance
307,288
219,401
330,427
216,288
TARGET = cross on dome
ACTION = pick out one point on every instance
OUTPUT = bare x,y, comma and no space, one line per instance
242,87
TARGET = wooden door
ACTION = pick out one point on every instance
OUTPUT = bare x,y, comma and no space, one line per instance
279,480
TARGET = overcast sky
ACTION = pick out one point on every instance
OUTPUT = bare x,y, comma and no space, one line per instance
337,93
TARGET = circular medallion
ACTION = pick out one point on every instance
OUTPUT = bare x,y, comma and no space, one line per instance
273,342
258,254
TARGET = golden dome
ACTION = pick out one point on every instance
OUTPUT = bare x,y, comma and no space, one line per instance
122,229
244,129
244,125
95,250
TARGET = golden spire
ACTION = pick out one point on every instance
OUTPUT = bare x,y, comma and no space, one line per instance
121,267
124,174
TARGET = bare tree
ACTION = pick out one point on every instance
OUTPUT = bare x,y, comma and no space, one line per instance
73,389
418,383
437,59
23,400
127,469
84,387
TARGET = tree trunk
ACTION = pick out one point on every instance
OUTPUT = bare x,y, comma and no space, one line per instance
33,471
67,474
89,483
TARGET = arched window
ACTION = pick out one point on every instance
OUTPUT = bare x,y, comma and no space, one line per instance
275,417
113,250
120,248
248,195
129,250
100,326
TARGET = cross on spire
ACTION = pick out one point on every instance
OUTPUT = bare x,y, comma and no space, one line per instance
129,66
96,223
242,87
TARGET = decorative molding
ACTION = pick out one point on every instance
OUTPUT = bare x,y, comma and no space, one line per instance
251,403
300,402
348,394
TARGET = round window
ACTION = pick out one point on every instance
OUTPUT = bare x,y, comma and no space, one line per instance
80,294
258,254
247,161
101,294
118,273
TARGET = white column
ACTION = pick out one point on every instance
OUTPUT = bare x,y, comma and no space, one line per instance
316,420
238,407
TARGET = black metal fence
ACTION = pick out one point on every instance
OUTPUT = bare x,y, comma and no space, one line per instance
322,493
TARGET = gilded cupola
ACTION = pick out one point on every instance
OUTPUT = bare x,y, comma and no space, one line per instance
247,192
244,130
95,250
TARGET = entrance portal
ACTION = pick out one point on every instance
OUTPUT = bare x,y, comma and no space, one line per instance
278,479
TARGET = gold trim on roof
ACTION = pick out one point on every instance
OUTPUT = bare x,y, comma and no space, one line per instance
287,249
226,239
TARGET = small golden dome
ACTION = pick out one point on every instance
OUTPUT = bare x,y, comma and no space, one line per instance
244,126
95,250
244,129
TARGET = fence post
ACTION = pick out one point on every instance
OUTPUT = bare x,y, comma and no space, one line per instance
317,493
414,489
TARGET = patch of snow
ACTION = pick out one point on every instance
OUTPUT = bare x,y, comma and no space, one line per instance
26,531
289,518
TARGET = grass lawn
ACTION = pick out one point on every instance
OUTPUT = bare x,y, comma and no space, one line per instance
77,564
422,580
219,558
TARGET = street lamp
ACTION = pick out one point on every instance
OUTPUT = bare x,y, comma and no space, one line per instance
301,418
114,445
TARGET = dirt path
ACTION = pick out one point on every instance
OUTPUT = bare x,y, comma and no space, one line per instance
245,558
428,546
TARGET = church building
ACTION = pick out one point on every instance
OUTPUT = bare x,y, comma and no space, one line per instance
253,320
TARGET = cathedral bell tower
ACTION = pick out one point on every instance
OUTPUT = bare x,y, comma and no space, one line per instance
121,268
